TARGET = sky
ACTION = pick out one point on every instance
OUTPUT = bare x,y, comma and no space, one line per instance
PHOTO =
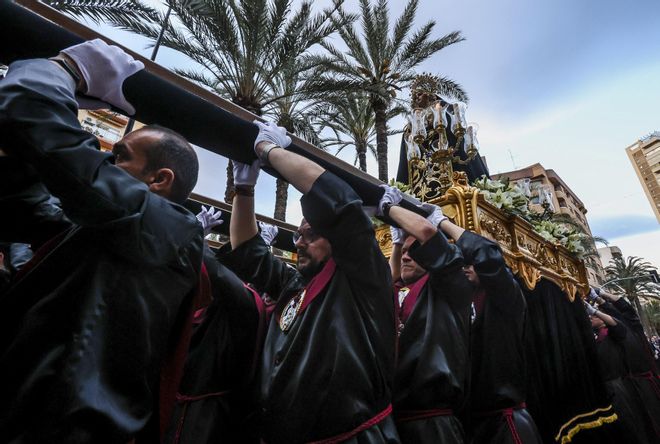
569,84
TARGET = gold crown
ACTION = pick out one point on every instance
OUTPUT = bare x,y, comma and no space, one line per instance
425,83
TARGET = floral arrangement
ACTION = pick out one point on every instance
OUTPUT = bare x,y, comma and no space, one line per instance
512,199
505,196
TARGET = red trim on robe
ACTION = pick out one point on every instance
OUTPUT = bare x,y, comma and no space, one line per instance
361,428
316,285
404,310
172,366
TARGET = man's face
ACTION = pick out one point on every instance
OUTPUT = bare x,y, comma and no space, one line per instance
312,249
471,275
131,154
410,270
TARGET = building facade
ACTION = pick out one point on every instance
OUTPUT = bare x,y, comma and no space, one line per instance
645,158
106,125
608,253
546,186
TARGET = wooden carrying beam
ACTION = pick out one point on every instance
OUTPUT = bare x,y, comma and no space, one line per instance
29,29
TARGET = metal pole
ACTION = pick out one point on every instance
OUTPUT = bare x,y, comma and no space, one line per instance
622,279
131,121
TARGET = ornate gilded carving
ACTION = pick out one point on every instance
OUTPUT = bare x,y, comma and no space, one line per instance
495,228
384,239
530,275
527,254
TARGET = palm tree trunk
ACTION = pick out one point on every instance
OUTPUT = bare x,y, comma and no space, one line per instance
281,195
229,189
646,325
381,139
362,156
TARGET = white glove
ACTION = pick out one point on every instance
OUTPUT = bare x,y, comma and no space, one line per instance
268,232
209,218
590,310
245,174
592,295
391,196
104,69
434,212
269,132
398,235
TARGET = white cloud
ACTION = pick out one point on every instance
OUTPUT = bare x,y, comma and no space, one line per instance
644,245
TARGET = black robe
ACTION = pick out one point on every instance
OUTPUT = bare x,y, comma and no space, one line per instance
88,323
332,371
497,385
640,379
215,398
433,355
627,405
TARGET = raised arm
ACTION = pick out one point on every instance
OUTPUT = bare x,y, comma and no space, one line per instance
39,125
395,257
297,170
243,224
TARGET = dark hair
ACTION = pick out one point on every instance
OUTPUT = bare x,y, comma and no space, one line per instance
174,152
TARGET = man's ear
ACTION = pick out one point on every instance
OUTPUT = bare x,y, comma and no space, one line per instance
162,181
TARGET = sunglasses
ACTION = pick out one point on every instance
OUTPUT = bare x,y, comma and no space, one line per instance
307,235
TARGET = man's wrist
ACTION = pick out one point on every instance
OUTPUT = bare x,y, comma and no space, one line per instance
68,65
244,190
387,206
263,151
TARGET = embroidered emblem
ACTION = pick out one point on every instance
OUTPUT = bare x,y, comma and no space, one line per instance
291,311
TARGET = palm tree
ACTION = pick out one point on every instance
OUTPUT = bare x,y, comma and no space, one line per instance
350,119
381,64
631,277
652,310
105,10
239,46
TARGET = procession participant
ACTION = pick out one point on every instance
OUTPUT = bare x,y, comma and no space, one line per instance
497,385
610,336
641,378
328,360
93,324
433,299
214,400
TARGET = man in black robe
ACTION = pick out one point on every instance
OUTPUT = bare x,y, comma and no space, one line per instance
641,378
92,324
215,401
610,335
328,360
497,412
433,298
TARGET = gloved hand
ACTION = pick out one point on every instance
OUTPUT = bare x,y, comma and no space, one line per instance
209,218
270,132
392,196
398,235
104,69
592,295
434,212
246,175
268,232
590,309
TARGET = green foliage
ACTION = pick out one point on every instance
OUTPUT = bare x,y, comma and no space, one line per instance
105,10
400,185
633,277
652,310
